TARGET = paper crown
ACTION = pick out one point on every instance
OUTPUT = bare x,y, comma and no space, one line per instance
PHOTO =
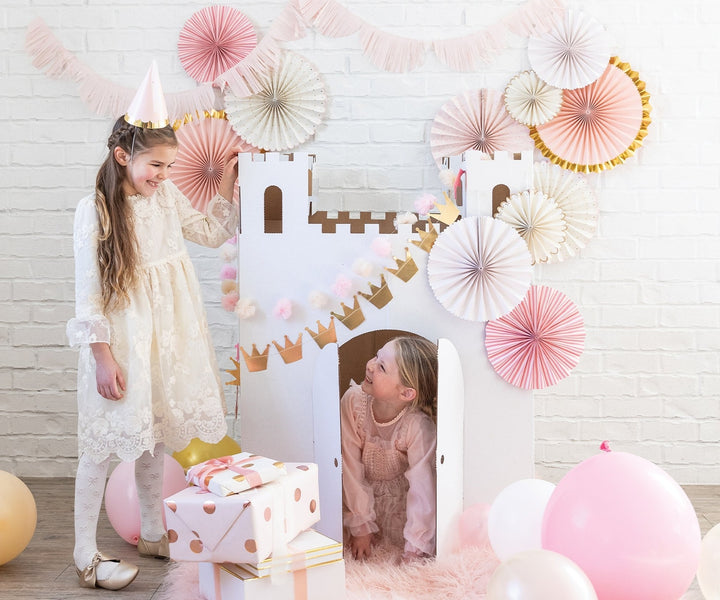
405,268
325,335
148,109
351,317
380,295
290,353
449,212
256,361
427,238
234,372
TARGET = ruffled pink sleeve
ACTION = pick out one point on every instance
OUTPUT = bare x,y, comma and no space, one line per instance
419,532
359,501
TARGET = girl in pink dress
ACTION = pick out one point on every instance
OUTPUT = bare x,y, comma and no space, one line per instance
388,449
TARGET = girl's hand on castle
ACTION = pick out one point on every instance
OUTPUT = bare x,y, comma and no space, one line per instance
360,546
109,377
229,175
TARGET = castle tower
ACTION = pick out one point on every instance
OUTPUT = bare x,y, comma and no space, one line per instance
490,180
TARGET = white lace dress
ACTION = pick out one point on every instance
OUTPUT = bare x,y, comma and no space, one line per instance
160,339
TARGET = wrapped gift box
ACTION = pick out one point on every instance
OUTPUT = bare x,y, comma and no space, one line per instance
244,527
235,474
313,570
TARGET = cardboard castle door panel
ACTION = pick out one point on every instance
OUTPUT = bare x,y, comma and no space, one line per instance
332,373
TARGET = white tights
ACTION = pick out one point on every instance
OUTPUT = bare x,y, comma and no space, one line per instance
89,488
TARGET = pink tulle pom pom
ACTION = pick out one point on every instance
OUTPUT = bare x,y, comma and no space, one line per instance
229,301
228,272
228,252
342,286
318,299
363,267
283,309
447,177
381,246
245,308
232,240
425,203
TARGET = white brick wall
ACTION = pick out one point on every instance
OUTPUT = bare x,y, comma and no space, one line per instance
647,285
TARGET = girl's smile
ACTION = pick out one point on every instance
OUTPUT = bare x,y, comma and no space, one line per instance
146,171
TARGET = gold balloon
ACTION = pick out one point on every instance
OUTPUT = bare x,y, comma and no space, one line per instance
18,516
198,451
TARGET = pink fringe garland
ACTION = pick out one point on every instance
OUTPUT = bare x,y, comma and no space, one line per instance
386,51
102,96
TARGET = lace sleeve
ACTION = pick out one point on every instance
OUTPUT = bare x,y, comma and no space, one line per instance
359,510
211,229
419,532
89,324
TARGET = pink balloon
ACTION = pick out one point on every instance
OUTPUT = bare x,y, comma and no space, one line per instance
628,525
473,527
121,500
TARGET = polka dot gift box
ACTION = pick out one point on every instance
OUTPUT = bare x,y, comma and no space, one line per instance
244,527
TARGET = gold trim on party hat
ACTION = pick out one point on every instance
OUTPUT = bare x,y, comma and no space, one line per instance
148,109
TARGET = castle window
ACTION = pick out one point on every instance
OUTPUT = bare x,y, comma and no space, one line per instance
273,209
500,193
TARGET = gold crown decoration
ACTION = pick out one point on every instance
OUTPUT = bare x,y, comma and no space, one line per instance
449,212
325,335
427,238
379,295
406,268
291,352
234,372
256,361
351,317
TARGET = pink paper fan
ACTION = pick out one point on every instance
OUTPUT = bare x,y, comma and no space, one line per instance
539,342
213,40
598,125
476,120
202,148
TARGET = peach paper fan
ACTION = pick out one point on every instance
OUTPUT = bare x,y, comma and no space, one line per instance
476,120
539,342
530,100
213,40
202,148
286,111
539,221
599,125
479,268
573,53
577,201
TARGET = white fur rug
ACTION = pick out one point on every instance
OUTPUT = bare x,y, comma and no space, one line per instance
462,576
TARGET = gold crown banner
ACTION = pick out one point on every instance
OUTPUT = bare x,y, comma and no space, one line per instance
290,353
449,212
351,317
380,295
255,361
405,268
427,238
234,372
325,335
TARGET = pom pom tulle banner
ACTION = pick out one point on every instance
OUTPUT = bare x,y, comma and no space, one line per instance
539,342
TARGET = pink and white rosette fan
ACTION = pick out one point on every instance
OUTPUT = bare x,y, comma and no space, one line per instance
476,120
530,100
202,148
213,40
572,54
539,342
479,268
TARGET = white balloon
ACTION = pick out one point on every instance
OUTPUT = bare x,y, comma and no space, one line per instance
516,515
708,573
539,575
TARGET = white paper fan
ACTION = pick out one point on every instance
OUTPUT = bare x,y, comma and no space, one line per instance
573,53
577,201
479,268
530,100
286,111
538,220
476,120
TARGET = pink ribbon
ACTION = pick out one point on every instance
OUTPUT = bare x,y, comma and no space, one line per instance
208,469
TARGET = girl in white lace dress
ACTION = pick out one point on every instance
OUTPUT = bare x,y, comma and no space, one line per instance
388,450
147,373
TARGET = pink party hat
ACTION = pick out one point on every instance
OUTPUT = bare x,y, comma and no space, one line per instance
148,108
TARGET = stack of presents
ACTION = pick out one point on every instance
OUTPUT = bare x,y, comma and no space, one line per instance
247,520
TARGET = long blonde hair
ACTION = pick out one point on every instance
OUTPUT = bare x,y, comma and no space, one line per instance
417,364
117,249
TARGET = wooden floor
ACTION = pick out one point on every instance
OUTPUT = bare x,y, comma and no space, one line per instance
45,571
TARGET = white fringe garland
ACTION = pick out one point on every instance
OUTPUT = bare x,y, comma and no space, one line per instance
386,51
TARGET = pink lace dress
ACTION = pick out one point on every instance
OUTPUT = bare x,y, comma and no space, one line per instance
388,474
